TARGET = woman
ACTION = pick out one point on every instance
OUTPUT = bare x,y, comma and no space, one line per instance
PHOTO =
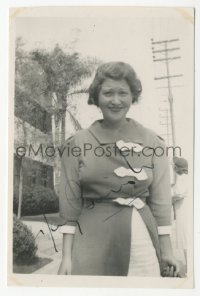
115,193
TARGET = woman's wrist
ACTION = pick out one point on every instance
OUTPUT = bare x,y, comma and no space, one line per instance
165,246
67,247
66,257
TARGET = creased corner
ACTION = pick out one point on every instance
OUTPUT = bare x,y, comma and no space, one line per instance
14,12
186,14
13,280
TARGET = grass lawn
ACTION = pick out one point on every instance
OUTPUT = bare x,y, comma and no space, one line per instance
30,268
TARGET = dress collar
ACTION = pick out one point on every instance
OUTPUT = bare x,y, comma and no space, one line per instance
131,131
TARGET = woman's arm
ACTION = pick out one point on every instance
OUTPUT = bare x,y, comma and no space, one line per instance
66,262
70,204
160,202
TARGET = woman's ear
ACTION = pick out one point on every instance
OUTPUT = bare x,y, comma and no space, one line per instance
91,101
133,99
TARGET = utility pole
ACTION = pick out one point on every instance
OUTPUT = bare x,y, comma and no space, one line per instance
166,123
165,52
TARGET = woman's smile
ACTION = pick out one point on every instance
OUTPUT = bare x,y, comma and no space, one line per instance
115,109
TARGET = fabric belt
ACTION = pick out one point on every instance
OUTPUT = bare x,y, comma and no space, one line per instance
137,202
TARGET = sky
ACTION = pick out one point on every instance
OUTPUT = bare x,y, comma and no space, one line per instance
126,35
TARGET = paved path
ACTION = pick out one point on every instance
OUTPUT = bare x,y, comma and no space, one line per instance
52,267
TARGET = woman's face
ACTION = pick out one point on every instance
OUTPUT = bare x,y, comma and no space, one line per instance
114,100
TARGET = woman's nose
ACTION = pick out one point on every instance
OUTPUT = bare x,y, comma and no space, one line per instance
116,99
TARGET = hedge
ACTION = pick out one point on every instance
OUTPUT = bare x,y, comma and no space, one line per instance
37,200
24,246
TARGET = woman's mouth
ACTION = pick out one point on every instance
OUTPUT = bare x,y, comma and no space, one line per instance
115,109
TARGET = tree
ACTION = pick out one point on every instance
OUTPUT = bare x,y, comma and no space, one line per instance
46,77
63,71
29,81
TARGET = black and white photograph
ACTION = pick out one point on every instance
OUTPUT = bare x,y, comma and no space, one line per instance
101,143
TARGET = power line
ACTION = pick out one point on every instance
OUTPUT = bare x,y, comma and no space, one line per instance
168,77
163,41
163,50
166,59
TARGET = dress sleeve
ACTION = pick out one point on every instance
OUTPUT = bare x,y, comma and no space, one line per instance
70,201
160,189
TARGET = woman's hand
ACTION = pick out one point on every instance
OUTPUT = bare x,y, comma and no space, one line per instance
176,198
65,267
169,266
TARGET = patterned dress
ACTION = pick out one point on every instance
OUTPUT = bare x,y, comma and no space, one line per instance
115,191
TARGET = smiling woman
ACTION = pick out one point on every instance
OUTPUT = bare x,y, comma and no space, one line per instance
126,231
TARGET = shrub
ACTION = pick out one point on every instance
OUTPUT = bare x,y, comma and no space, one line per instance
24,246
27,193
37,200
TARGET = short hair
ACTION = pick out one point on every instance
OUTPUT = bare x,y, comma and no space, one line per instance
116,71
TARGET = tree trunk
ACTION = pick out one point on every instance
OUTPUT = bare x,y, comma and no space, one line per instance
63,130
20,189
20,197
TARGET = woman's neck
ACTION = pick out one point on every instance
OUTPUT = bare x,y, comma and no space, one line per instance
114,125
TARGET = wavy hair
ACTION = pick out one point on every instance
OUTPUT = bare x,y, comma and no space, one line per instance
116,71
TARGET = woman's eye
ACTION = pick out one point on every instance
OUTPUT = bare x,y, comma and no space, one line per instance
123,93
108,93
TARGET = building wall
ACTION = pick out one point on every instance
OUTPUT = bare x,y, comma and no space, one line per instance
33,134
